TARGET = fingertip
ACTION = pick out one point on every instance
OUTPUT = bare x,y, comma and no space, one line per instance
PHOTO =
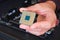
24,26
22,9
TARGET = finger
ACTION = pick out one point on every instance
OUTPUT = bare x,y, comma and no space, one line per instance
42,24
39,28
35,25
33,8
37,32
24,27
41,12
22,9
27,9
34,32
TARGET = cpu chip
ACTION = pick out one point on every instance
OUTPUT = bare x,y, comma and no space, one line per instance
27,18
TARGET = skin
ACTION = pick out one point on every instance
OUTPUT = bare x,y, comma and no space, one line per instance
46,18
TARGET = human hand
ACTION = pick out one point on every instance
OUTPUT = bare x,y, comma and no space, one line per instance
45,21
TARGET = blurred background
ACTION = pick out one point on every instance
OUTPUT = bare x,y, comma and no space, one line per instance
14,33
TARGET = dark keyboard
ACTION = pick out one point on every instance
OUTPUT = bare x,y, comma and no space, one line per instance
9,21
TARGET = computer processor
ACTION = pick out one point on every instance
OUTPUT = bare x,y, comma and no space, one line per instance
27,18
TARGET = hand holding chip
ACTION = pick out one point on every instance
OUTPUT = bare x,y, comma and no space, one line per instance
46,19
